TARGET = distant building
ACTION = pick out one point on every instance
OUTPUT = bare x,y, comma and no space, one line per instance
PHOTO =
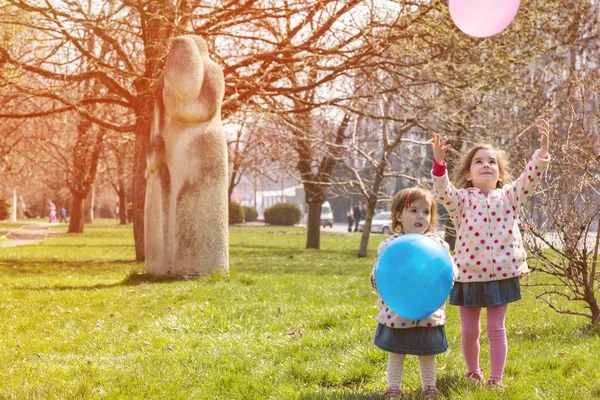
246,194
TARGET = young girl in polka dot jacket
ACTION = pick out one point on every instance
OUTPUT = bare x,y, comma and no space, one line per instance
489,249
414,210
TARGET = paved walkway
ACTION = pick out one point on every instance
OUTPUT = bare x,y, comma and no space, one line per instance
27,234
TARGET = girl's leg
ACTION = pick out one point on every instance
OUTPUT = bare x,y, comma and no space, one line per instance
428,378
498,344
395,367
469,337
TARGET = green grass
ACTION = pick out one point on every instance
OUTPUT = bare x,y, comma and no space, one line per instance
79,320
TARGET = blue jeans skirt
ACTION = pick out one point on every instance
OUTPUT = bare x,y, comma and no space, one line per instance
419,341
485,294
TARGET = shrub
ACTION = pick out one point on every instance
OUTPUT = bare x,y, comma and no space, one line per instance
283,214
250,213
236,213
4,209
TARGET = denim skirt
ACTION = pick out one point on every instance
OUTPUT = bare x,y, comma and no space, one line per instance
485,294
418,341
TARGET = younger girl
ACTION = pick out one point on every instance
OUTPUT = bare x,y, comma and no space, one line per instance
414,210
489,249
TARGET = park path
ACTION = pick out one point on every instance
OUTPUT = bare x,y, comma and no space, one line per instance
27,234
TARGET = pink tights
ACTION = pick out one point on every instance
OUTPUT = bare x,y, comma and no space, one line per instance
469,334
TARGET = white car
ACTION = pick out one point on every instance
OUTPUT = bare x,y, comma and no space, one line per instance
326,215
381,223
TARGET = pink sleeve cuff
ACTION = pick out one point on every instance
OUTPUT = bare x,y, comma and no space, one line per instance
439,169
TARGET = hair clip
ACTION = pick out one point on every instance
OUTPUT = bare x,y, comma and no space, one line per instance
408,200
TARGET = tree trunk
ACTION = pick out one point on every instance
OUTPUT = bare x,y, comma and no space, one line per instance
235,168
595,314
592,303
77,203
88,207
13,207
371,203
142,137
315,197
232,181
366,233
315,185
122,203
159,28
313,236
86,154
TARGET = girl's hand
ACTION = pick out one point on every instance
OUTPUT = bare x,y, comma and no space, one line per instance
544,131
439,148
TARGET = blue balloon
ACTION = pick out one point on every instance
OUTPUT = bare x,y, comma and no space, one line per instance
414,275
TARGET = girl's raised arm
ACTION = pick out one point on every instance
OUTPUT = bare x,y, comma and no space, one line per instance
439,147
522,188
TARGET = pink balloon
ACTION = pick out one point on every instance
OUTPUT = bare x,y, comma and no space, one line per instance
483,18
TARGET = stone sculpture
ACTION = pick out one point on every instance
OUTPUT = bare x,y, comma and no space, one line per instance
186,214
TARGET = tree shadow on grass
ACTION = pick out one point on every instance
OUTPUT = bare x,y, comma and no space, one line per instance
408,395
590,330
290,249
133,279
27,262
347,396
446,384
340,254
79,246
534,333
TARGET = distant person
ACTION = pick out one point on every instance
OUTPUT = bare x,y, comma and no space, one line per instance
350,216
51,212
356,211
492,259
63,215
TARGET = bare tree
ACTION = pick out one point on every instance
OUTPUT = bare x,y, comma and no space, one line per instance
257,42
379,163
314,159
249,148
260,44
117,169
566,246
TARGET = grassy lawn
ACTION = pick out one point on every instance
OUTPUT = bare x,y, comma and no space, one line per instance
79,320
